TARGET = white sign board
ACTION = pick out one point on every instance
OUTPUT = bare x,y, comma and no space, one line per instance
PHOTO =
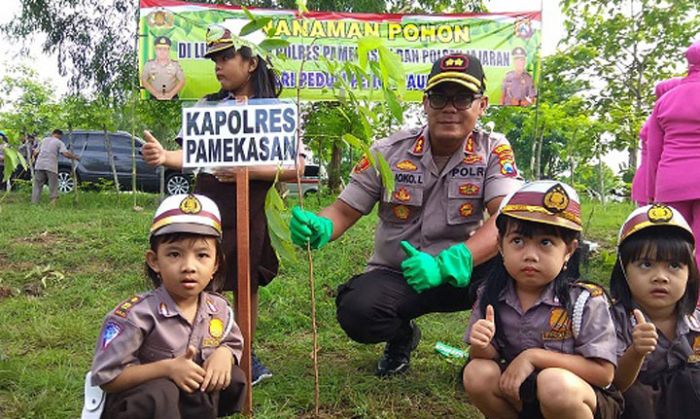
260,132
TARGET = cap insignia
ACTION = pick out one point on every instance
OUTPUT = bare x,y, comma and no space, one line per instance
190,205
660,213
556,199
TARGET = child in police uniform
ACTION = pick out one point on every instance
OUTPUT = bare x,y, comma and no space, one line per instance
173,352
542,344
655,284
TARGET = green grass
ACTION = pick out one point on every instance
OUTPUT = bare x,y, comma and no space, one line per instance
89,256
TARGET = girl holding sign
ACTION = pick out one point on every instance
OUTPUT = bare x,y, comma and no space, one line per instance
655,283
242,74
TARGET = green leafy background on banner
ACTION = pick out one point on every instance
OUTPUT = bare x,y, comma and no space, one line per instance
487,32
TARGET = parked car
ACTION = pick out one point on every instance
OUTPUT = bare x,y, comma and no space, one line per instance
310,181
94,165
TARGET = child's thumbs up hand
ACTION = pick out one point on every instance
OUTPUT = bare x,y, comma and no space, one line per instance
644,336
483,330
185,372
152,151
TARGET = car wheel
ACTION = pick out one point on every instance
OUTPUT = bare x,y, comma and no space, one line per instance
177,183
66,183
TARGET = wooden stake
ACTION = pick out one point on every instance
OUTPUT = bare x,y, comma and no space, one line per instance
243,290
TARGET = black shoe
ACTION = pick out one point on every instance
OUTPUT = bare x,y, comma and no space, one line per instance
397,353
259,371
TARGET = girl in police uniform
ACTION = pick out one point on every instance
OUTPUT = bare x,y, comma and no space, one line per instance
655,283
542,344
173,352
242,74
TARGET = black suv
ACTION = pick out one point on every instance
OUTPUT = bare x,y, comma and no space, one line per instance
91,147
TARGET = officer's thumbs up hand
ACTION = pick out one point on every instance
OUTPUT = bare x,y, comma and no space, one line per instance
420,269
644,336
483,330
307,227
152,151
184,372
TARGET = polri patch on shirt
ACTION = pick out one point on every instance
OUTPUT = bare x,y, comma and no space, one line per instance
109,333
362,165
464,172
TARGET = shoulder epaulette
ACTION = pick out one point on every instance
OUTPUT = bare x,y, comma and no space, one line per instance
123,309
593,289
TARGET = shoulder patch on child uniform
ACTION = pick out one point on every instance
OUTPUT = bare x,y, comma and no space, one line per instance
595,290
111,330
123,309
211,305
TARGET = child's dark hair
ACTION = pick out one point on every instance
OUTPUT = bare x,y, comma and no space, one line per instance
266,82
662,243
215,284
499,277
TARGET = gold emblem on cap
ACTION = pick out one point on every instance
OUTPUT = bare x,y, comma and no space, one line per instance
454,62
190,205
659,213
556,199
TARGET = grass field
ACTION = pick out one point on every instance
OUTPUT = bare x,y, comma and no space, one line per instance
62,269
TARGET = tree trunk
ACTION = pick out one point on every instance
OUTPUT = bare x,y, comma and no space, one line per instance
110,156
334,167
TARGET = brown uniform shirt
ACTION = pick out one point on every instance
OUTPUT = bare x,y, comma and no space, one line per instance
517,89
685,348
431,209
163,78
547,325
149,328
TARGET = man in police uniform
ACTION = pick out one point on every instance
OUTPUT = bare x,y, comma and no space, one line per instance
430,231
518,87
163,77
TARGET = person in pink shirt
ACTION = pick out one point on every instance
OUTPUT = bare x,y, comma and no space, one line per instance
674,145
639,192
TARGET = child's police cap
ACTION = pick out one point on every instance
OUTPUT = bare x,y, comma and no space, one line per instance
462,69
653,215
544,201
194,214
222,36
162,41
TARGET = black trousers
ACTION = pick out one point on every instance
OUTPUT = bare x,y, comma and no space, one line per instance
376,306
162,399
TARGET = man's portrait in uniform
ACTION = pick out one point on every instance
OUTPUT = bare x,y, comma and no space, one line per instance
163,77
518,86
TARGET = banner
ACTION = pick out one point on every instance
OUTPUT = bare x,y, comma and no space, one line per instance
261,132
507,44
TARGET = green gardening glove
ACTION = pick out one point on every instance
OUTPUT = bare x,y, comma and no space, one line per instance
307,227
420,269
456,265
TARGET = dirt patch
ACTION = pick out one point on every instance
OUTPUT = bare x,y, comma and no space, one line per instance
45,238
5,292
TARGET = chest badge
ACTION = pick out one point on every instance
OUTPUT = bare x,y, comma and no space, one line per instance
469,189
401,212
216,328
419,146
473,159
406,166
402,195
466,209
559,325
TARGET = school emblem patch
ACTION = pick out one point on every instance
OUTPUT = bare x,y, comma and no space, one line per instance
555,199
402,195
362,165
469,189
466,209
216,328
402,212
659,213
559,325
110,332
695,346
406,166
190,205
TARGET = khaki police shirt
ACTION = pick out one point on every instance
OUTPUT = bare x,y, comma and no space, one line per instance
547,324
149,328
684,349
518,88
49,149
431,210
163,78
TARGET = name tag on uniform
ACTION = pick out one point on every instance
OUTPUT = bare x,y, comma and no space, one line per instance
464,172
412,178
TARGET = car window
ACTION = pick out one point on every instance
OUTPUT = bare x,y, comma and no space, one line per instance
96,143
75,142
120,145
311,170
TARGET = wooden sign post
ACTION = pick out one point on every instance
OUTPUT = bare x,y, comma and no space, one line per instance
260,132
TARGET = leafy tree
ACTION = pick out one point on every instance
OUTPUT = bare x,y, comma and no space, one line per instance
627,46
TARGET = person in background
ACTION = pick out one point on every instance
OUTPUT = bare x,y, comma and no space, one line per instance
46,166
